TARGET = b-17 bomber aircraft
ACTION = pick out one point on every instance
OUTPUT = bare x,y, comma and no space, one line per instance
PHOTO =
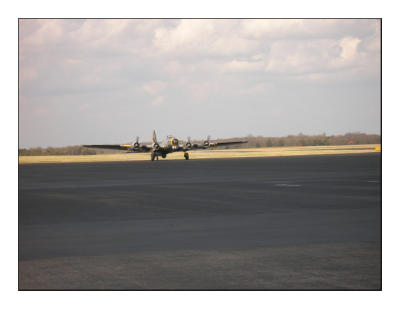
172,145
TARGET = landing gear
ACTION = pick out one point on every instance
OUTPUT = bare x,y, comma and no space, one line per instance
186,155
164,155
155,156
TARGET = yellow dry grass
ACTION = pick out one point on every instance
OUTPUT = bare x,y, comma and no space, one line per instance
209,154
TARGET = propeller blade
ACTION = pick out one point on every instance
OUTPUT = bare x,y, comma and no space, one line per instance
207,141
156,146
154,139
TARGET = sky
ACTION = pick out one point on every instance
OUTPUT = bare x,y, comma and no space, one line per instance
108,81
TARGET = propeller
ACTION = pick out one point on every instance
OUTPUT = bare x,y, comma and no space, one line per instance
136,144
156,146
206,143
188,144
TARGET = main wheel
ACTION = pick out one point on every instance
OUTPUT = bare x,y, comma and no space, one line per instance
164,155
152,156
186,155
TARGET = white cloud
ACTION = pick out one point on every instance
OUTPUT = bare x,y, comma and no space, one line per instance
154,87
202,36
349,48
290,46
294,57
98,32
273,28
306,29
159,100
318,57
243,66
186,35
49,31
205,46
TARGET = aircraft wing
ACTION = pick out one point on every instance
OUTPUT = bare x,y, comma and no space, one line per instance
202,146
114,147
227,143
141,148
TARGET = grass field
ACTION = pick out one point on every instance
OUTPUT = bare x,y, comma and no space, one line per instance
209,154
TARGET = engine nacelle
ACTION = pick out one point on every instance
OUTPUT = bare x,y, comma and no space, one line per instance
174,142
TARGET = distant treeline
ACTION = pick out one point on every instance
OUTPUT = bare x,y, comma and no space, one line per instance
253,141
59,151
311,140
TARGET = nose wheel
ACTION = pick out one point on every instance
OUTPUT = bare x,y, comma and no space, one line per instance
186,155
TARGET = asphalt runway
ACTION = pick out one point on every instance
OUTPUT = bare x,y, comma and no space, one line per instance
282,223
